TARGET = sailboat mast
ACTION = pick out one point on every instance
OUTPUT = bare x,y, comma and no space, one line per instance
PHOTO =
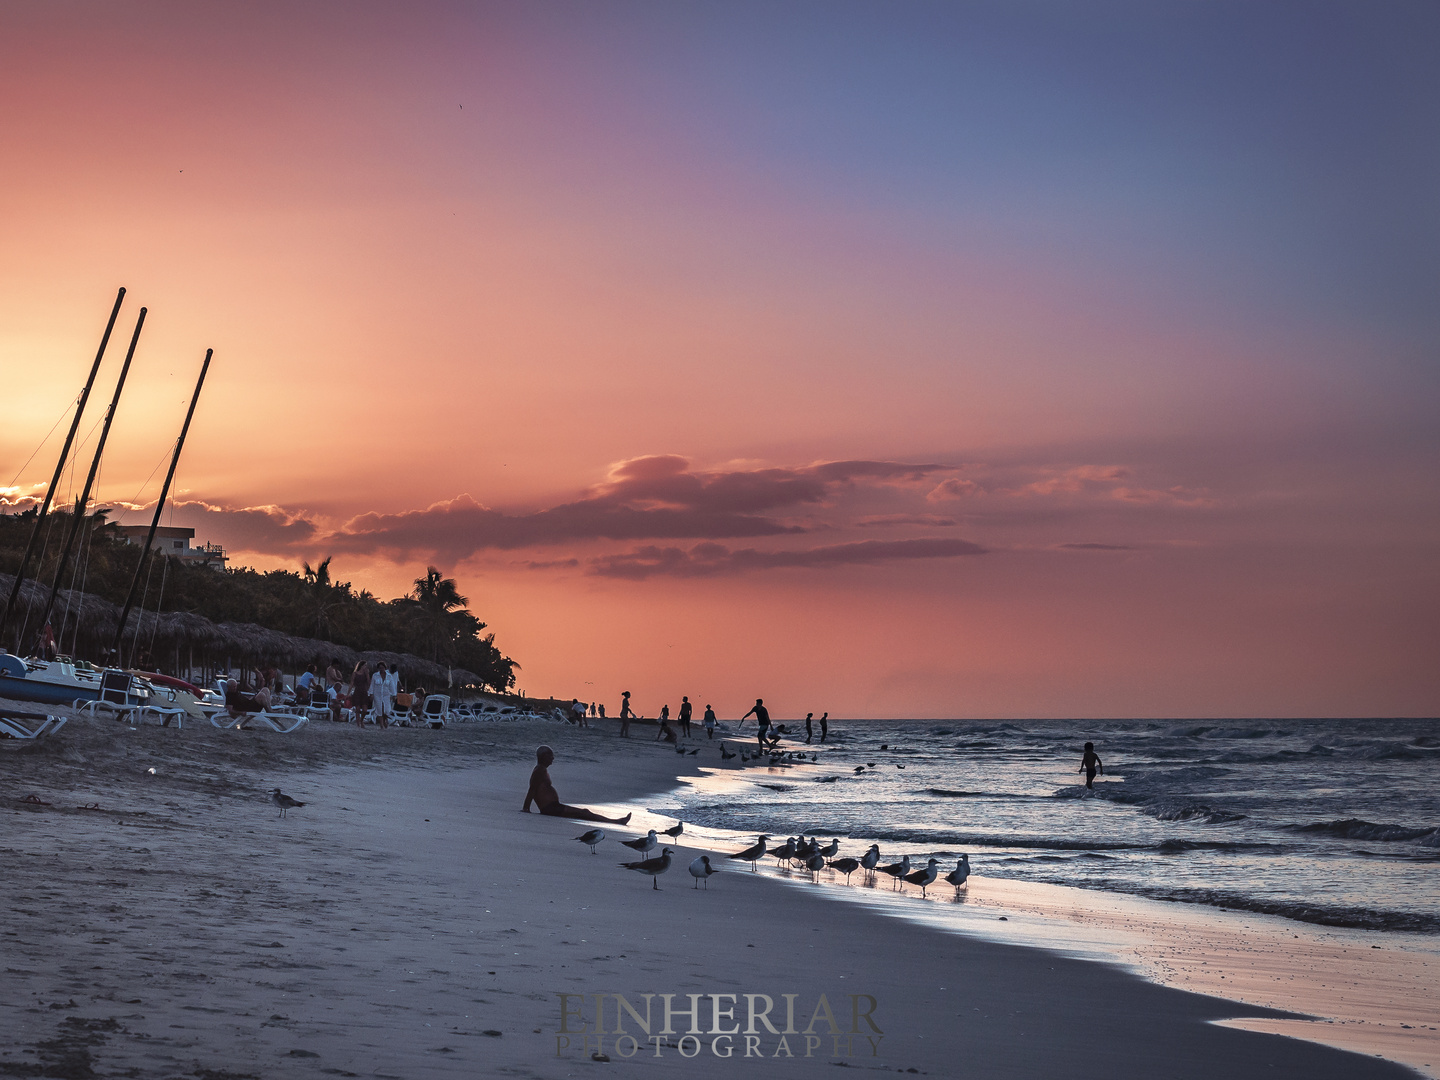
159,507
59,468
79,517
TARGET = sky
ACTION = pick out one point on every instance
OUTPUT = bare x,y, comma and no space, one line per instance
1008,359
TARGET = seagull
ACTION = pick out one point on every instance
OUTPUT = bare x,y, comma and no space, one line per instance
653,867
283,801
960,874
899,766
725,755
592,839
785,852
831,849
871,859
897,870
804,849
701,870
846,866
752,854
676,830
925,878
859,769
641,844
815,863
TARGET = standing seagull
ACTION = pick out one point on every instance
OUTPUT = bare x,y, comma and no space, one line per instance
725,754
846,866
897,870
701,870
642,844
283,801
592,839
925,878
870,860
960,874
653,867
815,863
675,830
752,854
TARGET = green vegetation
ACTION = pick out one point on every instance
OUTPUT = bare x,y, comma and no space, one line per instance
433,622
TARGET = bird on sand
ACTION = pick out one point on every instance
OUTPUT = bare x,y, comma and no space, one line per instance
642,844
926,877
786,851
701,870
846,866
960,874
725,755
592,839
752,854
897,870
815,863
653,867
675,830
831,849
283,801
871,859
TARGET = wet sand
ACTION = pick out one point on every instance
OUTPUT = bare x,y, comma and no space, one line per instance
410,922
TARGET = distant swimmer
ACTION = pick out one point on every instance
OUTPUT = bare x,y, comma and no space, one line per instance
824,726
1089,764
542,793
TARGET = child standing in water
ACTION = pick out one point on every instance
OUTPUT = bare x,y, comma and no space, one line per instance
1089,764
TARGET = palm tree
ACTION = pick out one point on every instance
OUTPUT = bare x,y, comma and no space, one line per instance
437,601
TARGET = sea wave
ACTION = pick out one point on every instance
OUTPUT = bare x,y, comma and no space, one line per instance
1359,829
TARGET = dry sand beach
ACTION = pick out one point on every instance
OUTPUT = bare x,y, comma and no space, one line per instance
162,920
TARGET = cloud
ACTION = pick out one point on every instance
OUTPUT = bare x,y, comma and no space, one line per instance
713,560
271,529
953,488
658,497
927,520
1096,547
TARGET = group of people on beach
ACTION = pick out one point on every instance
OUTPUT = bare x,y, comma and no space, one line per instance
670,733
375,694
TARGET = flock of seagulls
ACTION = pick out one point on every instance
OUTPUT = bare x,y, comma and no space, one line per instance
796,852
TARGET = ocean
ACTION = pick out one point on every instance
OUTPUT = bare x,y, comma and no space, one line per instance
1323,821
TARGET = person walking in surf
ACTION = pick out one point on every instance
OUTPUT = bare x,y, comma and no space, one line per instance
1089,764
762,719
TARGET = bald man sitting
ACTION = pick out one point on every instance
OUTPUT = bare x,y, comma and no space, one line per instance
542,793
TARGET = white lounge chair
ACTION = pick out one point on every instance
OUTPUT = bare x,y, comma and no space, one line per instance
28,725
116,696
283,722
436,711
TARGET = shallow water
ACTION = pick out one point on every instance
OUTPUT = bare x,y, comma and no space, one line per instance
1326,821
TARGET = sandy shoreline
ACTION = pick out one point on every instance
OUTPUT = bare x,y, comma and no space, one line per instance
410,922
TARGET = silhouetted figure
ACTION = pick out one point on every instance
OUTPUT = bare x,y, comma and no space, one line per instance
685,710
1089,764
762,719
625,714
809,727
666,732
824,725
542,793
709,722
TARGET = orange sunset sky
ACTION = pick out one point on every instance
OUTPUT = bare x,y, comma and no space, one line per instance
935,360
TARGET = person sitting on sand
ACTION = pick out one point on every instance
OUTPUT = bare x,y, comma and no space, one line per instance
666,732
542,793
1089,763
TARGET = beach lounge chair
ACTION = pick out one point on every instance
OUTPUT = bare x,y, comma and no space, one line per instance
29,725
116,696
283,722
436,712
